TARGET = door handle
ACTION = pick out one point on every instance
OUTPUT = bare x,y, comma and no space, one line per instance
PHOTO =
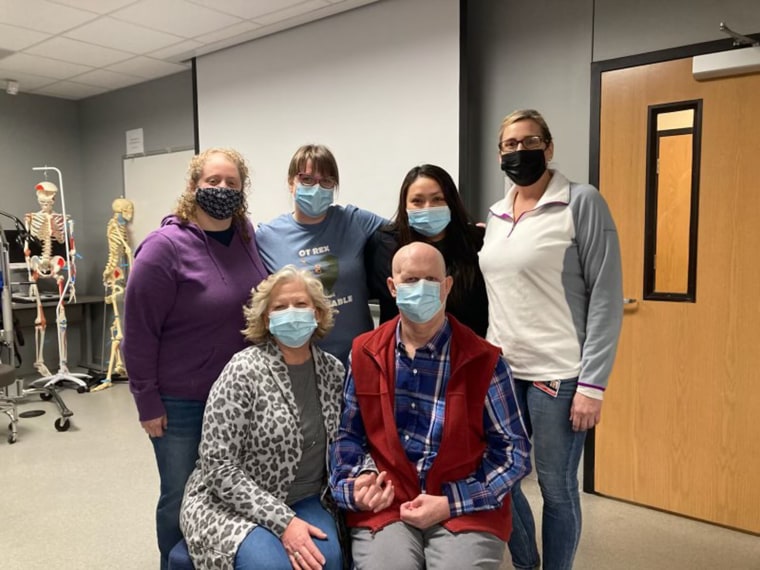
629,301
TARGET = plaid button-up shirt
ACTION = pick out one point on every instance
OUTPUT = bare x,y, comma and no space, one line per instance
419,413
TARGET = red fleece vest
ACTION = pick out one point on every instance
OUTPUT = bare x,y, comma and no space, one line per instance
473,361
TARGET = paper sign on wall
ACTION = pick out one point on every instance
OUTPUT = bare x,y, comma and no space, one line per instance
135,142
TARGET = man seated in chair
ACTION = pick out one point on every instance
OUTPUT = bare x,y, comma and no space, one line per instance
431,439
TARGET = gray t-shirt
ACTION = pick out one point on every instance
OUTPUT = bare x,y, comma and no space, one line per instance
310,475
333,250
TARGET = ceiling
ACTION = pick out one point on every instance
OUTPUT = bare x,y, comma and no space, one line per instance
79,48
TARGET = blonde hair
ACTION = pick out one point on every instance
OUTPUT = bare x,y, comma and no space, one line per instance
186,205
322,161
256,310
524,115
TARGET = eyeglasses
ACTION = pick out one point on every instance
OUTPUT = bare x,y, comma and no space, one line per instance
327,182
532,142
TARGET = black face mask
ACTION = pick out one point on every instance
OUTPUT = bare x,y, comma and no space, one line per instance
524,167
219,203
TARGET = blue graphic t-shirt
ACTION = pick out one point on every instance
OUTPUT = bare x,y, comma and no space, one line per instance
333,250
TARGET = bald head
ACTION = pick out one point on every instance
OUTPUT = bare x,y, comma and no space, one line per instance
413,265
420,260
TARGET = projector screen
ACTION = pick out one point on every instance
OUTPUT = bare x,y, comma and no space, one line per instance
378,85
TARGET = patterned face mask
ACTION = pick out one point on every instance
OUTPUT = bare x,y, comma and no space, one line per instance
219,203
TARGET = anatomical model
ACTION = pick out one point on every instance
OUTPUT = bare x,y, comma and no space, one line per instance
114,277
47,226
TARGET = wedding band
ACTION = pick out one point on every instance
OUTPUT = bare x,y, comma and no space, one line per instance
296,554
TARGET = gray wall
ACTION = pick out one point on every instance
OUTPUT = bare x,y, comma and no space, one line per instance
163,108
538,54
38,131
86,141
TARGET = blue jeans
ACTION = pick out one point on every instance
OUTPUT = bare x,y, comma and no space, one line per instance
557,450
262,549
176,453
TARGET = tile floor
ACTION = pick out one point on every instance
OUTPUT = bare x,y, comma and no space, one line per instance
84,499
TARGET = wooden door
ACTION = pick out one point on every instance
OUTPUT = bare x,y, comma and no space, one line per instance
681,422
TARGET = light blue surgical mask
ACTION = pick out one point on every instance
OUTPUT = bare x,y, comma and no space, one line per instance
419,301
429,221
313,200
293,326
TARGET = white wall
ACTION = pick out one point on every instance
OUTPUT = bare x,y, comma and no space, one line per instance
379,85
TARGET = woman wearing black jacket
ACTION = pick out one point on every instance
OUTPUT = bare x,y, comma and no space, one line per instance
431,210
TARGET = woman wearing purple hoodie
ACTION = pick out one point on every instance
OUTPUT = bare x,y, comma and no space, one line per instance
183,316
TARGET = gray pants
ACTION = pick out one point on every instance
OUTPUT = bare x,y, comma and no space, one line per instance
400,546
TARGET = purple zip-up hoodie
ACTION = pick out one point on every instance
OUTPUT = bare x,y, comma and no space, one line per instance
183,311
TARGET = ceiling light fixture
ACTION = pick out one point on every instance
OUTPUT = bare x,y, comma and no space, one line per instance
11,87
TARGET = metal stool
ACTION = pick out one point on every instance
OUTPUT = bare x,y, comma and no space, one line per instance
7,403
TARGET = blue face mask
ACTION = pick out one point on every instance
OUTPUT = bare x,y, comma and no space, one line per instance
419,301
293,327
429,221
313,200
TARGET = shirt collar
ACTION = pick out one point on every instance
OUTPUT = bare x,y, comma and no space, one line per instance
436,346
557,192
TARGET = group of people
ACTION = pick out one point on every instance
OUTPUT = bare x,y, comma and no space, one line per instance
291,433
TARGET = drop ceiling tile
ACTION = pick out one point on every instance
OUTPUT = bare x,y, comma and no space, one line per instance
178,49
125,36
146,67
70,90
27,81
228,32
42,16
79,52
15,39
108,79
178,17
98,6
291,12
44,66
247,9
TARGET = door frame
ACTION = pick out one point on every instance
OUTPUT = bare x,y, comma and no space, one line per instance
597,69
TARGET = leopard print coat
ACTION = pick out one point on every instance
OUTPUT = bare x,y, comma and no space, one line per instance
249,452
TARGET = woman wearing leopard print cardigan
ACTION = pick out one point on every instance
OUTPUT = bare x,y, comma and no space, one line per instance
253,500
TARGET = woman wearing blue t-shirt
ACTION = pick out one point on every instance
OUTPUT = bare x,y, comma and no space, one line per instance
327,239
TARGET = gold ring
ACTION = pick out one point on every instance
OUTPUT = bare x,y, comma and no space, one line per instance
296,554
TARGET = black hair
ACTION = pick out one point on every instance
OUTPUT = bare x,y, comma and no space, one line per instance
461,246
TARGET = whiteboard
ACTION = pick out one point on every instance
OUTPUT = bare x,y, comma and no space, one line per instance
154,182
378,85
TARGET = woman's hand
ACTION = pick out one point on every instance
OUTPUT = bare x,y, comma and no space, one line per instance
302,551
155,427
585,412
373,492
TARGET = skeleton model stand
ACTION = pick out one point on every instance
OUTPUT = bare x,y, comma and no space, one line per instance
118,266
47,225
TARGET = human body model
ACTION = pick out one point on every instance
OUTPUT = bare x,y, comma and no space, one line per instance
114,278
47,226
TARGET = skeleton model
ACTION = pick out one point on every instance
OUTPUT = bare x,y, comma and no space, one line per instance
118,265
46,226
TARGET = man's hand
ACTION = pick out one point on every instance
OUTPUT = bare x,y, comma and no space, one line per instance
302,551
373,492
425,510
155,427
585,412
